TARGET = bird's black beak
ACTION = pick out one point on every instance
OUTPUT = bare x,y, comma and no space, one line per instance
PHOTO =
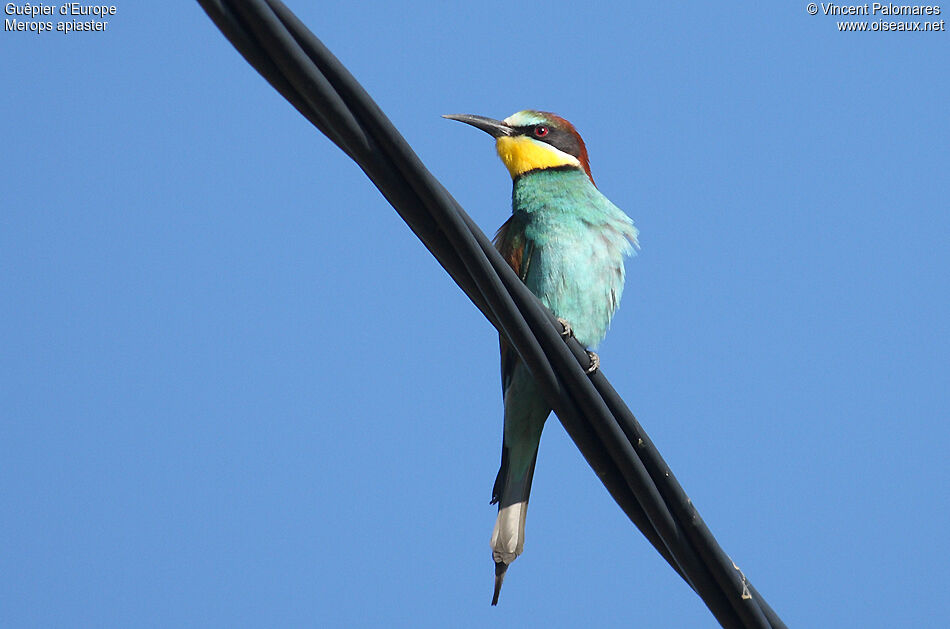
494,128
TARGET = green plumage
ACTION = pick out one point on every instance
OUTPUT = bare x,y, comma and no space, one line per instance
575,242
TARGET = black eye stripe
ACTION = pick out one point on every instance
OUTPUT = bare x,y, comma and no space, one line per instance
558,138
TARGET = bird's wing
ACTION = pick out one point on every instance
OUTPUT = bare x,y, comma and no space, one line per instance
516,249
510,243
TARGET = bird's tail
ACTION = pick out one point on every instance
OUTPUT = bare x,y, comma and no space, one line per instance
512,488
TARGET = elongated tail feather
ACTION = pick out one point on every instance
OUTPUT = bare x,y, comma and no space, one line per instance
507,539
525,414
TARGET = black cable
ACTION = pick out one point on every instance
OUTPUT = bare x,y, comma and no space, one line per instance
297,64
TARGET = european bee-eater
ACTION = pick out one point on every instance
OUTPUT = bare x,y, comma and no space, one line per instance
567,243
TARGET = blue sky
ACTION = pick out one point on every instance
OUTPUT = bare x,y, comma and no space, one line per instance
235,390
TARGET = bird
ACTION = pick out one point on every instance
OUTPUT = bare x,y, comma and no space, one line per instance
567,242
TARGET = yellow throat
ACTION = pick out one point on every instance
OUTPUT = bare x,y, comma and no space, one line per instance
521,154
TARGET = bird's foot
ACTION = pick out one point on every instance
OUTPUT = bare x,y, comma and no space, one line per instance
594,363
567,331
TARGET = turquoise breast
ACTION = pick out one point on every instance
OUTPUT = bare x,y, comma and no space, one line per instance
576,241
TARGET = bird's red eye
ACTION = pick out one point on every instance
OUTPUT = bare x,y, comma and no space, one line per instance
540,131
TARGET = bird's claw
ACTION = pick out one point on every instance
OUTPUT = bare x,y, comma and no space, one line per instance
594,363
567,331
